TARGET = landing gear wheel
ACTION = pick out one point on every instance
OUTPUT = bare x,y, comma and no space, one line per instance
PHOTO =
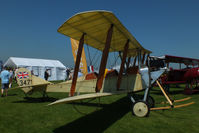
151,102
141,109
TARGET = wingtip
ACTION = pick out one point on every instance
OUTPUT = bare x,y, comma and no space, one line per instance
50,104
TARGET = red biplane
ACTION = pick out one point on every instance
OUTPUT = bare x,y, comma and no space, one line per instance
189,74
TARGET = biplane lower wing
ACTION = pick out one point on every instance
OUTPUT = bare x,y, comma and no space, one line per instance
82,97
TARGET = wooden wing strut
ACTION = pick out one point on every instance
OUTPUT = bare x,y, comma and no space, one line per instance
143,57
100,77
78,59
128,62
134,63
122,64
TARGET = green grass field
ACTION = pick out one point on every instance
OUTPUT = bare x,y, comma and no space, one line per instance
113,115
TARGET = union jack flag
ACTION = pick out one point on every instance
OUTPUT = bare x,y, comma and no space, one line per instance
22,75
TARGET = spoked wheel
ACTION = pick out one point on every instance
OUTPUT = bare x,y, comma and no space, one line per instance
194,84
141,109
151,102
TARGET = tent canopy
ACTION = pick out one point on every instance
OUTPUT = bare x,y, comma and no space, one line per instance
20,62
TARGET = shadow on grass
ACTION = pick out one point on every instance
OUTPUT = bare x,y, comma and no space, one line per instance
90,104
36,100
100,120
173,92
12,94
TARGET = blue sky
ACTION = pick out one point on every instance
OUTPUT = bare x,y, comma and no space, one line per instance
28,28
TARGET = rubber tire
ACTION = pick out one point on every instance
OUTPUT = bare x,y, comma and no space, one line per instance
141,109
151,102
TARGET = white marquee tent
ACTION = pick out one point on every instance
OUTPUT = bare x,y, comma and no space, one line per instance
56,69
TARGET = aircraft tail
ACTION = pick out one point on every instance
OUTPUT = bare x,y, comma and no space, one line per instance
26,79
28,82
83,64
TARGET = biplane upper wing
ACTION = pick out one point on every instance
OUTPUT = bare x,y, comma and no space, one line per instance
177,59
95,24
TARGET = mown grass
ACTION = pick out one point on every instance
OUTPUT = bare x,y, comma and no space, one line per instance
19,115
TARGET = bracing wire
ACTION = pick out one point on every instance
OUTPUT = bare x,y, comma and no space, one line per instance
97,61
116,58
85,113
90,62
94,55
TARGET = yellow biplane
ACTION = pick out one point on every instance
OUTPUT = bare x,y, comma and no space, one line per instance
103,31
